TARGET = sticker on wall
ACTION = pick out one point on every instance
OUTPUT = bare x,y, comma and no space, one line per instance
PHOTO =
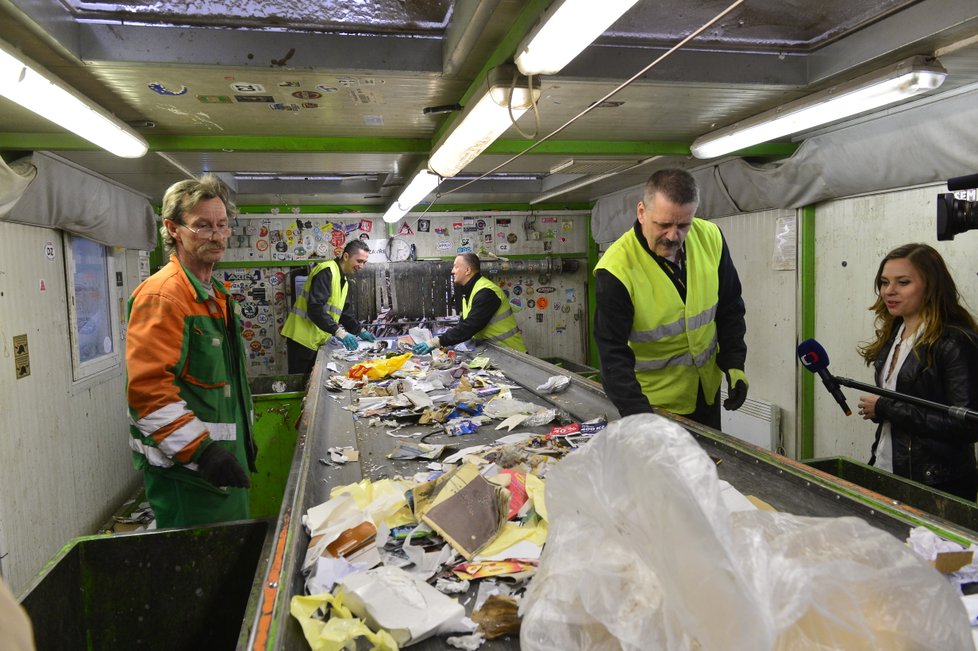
249,310
457,226
445,245
480,224
565,309
567,225
502,247
288,84
569,295
424,225
542,303
255,345
441,230
548,220
337,238
556,307
214,99
405,229
254,99
516,302
49,250
366,225
531,303
284,107
306,94
487,239
308,105
511,238
322,249
160,89
248,334
560,328
244,87
546,290
326,89
261,245
503,222
539,317
43,286
518,290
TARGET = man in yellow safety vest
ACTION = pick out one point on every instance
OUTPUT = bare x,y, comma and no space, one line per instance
486,313
320,311
669,320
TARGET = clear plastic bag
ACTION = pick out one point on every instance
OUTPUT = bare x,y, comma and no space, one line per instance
643,554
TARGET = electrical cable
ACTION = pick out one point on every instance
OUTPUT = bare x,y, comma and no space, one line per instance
595,104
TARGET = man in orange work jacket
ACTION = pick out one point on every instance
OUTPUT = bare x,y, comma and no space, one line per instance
190,407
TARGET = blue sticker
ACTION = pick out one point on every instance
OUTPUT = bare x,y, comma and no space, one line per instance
160,89
516,302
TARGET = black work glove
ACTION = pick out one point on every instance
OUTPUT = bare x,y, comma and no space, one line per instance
219,467
736,389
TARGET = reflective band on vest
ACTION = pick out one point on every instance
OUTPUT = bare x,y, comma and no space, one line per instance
298,326
674,342
502,327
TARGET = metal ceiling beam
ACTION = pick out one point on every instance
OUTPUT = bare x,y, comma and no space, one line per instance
259,49
919,29
688,66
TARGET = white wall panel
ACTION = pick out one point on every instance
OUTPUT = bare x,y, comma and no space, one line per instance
851,237
769,295
66,464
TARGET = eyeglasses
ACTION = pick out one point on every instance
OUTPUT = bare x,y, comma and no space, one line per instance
208,233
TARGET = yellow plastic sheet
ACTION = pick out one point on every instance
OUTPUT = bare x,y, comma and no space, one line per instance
340,631
383,500
513,533
376,369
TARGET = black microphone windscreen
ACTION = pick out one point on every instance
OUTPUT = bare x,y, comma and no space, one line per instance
962,182
813,356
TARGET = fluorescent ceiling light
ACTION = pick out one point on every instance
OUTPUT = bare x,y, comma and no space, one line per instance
908,78
41,92
564,30
484,121
420,187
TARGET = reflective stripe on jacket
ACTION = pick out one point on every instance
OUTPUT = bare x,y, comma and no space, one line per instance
675,343
186,378
502,327
298,326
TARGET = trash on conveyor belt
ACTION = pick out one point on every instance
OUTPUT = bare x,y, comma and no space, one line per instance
639,523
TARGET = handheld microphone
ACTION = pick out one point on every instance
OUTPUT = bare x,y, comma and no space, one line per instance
813,357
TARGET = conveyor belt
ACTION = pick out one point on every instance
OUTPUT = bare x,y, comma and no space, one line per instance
785,484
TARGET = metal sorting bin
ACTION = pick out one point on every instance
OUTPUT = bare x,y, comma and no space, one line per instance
278,405
919,496
171,589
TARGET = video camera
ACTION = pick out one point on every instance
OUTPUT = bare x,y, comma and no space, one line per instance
956,215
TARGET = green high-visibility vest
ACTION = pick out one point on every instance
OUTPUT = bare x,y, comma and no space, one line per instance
502,326
298,327
675,343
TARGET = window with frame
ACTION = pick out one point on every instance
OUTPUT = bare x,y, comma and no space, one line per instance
92,311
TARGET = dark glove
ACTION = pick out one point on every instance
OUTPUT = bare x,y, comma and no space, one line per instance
736,389
366,336
219,467
349,341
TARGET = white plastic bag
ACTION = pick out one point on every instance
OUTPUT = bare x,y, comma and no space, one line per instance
643,554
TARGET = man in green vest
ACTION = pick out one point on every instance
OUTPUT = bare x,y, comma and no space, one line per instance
669,320
486,313
322,311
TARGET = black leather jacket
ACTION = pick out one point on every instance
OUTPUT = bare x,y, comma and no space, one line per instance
931,446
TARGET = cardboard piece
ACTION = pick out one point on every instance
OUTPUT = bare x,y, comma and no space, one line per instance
950,562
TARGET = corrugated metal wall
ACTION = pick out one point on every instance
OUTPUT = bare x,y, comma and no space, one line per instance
65,461
851,237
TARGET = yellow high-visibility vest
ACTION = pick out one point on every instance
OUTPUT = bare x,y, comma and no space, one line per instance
675,343
298,327
502,326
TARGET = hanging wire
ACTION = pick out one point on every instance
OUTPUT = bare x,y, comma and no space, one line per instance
533,105
595,104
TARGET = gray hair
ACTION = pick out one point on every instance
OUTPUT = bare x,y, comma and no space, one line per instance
182,197
678,186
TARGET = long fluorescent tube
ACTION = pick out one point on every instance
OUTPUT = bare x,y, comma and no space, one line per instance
483,121
908,78
420,187
41,92
564,30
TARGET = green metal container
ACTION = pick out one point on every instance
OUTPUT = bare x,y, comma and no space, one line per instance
278,405
920,496
166,590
